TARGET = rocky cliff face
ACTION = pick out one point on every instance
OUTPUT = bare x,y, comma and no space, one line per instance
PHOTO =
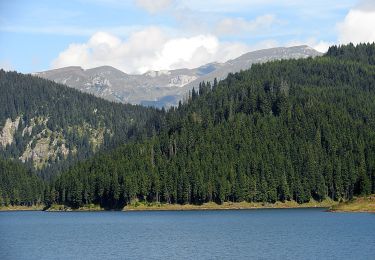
41,143
162,88
8,131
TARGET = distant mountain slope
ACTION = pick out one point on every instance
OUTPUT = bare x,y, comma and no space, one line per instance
47,124
162,88
114,85
245,61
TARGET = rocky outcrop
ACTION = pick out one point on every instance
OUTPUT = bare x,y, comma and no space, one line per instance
49,145
8,131
41,150
45,145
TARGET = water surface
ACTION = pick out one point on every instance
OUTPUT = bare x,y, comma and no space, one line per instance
236,234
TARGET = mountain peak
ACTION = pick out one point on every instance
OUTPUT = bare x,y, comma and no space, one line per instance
60,70
300,51
154,86
105,68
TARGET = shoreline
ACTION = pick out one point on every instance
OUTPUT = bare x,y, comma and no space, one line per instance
85,208
177,207
22,208
227,206
359,204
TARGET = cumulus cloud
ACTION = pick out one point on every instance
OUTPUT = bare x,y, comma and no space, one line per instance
6,65
321,46
366,5
148,49
240,25
358,25
154,6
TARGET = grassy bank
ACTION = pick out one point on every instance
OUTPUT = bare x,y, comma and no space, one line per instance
139,206
22,208
360,204
89,207
144,206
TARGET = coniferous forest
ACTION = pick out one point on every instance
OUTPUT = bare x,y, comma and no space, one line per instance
82,123
19,186
285,130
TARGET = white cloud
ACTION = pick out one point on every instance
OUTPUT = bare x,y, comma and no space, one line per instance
197,38
240,25
148,49
154,6
366,5
6,65
321,46
358,25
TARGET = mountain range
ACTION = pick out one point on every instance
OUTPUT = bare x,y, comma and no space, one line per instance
166,87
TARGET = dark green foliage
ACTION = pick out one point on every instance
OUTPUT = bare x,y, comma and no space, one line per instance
296,129
71,113
19,186
363,52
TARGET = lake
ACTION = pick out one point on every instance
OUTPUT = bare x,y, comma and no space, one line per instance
237,234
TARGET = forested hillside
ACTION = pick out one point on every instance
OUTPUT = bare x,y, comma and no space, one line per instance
50,126
364,53
285,130
19,186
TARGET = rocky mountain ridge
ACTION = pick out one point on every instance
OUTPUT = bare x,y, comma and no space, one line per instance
166,87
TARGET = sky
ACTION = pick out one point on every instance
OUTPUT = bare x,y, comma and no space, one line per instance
136,36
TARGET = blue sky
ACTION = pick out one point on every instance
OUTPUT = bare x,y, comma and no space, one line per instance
140,35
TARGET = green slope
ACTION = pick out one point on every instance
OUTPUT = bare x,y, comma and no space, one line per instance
50,126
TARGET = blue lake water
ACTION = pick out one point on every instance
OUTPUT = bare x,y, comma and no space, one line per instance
238,234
